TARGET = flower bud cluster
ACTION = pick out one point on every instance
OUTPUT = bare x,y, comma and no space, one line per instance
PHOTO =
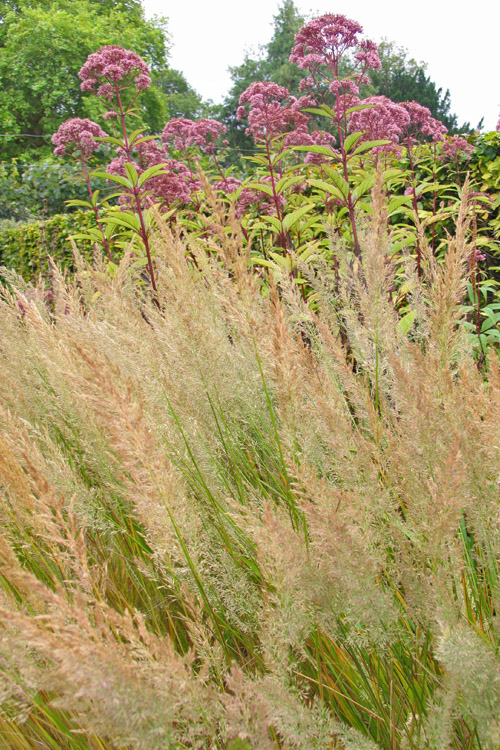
112,68
383,119
77,134
320,46
205,134
272,111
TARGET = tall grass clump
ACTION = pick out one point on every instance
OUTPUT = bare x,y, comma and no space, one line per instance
234,519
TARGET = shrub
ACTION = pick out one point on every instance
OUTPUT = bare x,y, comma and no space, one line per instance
27,248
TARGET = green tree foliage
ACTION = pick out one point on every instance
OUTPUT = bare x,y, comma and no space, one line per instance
271,64
44,44
181,99
404,79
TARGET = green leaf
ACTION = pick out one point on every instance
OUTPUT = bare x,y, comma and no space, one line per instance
123,219
132,173
490,321
74,202
325,150
340,182
112,141
363,187
153,171
369,145
396,203
260,186
133,136
425,187
323,110
145,139
358,107
327,188
282,261
291,219
115,178
273,222
258,261
286,182
351,140
406,323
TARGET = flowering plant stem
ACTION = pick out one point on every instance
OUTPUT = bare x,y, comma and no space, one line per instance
95,209
350,203
279,213
136,190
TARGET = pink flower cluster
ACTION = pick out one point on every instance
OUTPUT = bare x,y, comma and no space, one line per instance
321,138
498,125
182,133
251,197
272,111
227,185
316,138
382,120
113,68
175,185
320,46
455,146
422,124
79,133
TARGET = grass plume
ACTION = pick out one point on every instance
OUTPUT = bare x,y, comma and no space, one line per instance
230,519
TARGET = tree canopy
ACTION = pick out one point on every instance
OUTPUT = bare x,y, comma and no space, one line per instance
270,64
404,79
43,44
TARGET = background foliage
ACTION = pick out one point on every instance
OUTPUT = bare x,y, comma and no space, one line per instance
42,47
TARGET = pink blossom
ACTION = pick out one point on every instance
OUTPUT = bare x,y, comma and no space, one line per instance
174,185
250,197
272,111
80,133
227,185
498,125
321,138
321,44
205,133
344,103
368,55
453,147
324,40
299,137
183,133
111,68
117,166
422,123
177,132
382,120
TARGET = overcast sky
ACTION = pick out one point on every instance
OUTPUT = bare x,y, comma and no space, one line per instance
458,41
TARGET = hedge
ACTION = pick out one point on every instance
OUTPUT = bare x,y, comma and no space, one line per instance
27,248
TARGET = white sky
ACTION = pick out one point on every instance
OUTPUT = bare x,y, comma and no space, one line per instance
459,41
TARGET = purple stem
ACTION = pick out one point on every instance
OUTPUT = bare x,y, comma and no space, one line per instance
136,191
96,210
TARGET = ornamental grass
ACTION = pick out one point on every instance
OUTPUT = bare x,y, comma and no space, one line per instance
236,521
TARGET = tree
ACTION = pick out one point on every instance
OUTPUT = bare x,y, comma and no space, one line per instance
42,47
181,99
404,79
272,64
